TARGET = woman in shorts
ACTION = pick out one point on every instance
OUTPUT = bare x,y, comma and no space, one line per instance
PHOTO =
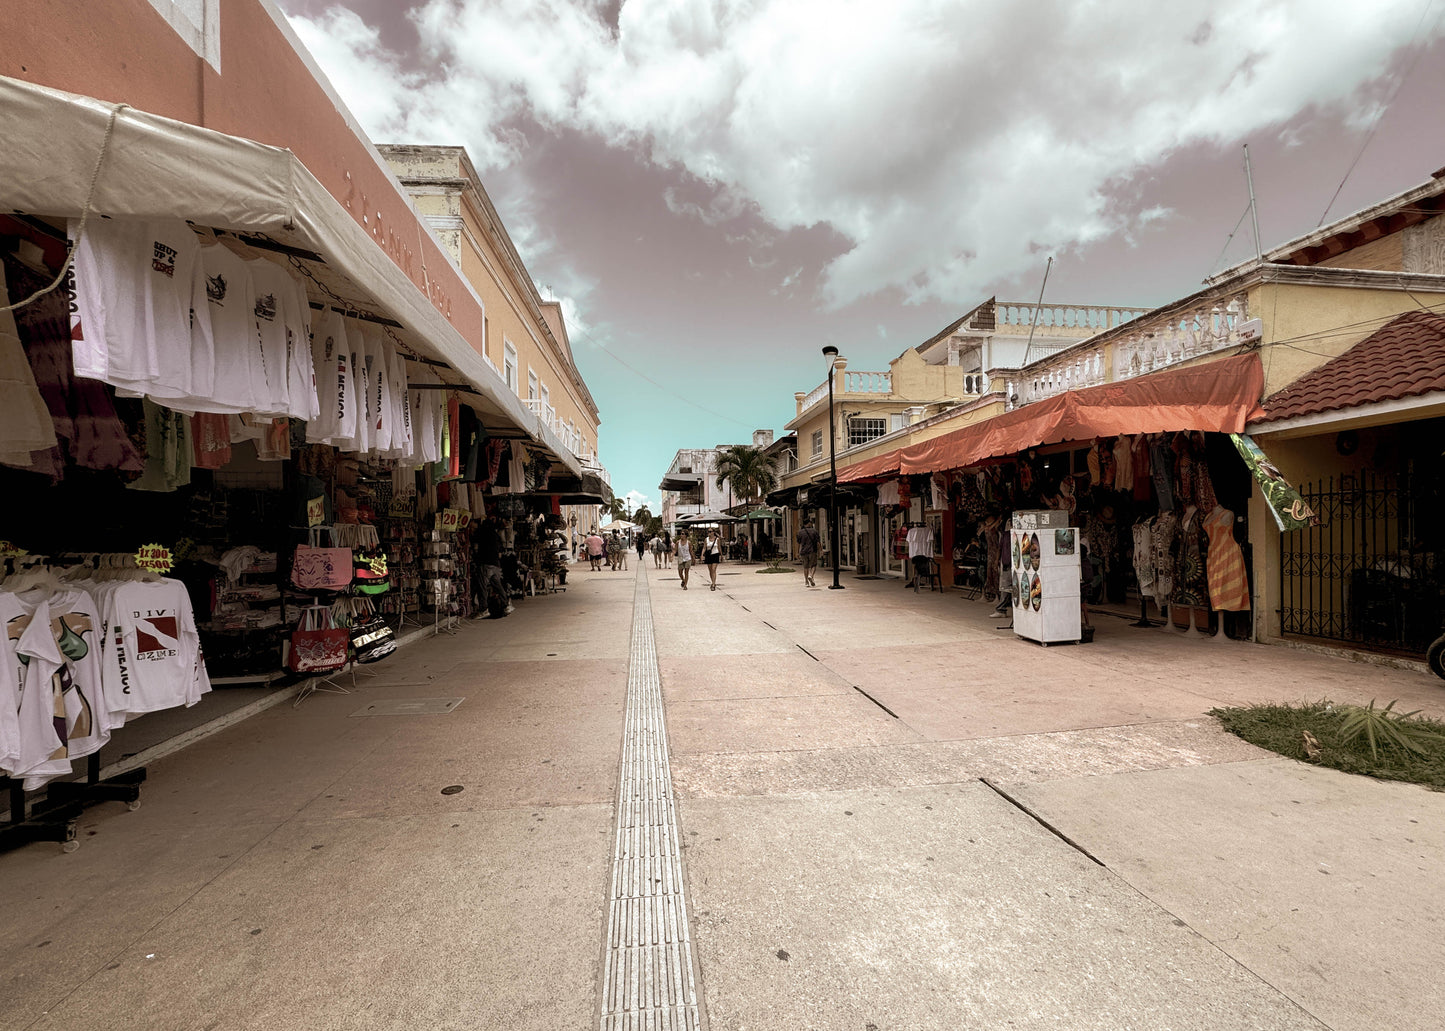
683,552
711,556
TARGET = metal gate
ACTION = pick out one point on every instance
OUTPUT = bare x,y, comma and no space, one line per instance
1367,574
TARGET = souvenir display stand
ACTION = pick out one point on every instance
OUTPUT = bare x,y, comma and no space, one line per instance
1045,553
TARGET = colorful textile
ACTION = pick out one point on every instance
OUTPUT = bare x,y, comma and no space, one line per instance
1228,583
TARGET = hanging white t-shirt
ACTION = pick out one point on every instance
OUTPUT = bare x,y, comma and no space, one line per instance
239,383
304,398
383,421
426,429
402,444
154,660
920,541
137,321
335,386
277,325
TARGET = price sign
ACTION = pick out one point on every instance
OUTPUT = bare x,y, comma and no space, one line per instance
403,506
8,550
154,558
448,520
464,518
315,511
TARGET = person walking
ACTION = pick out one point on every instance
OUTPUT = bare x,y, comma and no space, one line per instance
619,557
808,541
711,556
656,546
493,588
666,550
684,558
596,548
641,541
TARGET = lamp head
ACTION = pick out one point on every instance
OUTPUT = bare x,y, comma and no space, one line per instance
830,352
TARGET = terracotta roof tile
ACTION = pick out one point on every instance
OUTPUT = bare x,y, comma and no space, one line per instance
1403,358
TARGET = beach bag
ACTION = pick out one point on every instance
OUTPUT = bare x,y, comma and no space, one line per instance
317,568
372,639
372,576
316,645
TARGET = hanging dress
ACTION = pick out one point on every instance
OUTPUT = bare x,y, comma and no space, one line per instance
1228,584
1144,561
1191,588
1164,529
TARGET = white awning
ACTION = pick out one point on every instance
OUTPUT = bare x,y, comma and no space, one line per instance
157,167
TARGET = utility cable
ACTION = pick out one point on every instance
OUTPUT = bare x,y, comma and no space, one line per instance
1380,116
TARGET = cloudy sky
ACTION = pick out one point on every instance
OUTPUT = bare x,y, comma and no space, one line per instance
717,188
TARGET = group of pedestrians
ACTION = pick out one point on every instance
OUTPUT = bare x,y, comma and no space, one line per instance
613,550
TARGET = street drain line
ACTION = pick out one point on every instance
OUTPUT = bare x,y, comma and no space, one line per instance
855,687
1045,824
648,979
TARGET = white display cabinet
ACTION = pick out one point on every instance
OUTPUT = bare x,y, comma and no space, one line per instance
1045,555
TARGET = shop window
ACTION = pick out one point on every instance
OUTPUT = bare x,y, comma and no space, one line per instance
861,431
817,443
509,366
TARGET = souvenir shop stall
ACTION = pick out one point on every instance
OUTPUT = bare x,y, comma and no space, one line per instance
1156,494
184,512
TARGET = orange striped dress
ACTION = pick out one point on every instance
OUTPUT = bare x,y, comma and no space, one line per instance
1228,584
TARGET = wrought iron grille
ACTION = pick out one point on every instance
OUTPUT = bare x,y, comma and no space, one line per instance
1367,574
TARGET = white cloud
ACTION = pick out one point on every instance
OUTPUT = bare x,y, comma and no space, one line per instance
950,142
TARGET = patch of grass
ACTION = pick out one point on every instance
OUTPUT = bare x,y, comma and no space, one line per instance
776,569
1402,746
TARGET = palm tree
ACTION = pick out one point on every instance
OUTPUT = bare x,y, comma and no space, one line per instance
616,508
748,471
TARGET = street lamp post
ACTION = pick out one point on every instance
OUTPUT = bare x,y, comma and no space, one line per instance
831,353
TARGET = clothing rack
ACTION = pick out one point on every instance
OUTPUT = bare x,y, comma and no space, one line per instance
52,816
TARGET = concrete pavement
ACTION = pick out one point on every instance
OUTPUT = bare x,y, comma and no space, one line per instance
847,865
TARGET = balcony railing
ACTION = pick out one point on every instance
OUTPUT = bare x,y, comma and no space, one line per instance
1211,325
867,382
1083,320
853,383
1148,345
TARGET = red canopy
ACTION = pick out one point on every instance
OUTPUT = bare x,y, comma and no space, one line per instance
1218,396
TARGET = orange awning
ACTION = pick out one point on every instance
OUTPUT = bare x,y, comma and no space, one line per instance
1217,397
879,467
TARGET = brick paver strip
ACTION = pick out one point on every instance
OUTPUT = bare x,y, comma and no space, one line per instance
648,981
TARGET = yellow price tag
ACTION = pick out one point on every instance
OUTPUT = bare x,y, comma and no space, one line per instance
315,511
155,558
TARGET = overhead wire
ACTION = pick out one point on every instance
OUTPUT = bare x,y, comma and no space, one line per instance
1380,115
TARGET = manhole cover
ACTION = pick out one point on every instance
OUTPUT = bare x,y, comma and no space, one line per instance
410,707
452,789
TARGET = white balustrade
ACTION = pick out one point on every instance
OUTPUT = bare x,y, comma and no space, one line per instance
1211,325
1088,318
867,382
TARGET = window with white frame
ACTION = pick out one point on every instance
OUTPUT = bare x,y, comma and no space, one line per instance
817,443
545,395
531,385
895,422
862,430
509,365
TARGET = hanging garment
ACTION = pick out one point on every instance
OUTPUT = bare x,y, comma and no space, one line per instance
1161,468
211,439
1191,548
278,325
1124,463
454,456
154,652
169,453
1139,476
238,377
1204,495
996,545
1144,559
25,422
1164,530
1228,583
140,319
335,384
